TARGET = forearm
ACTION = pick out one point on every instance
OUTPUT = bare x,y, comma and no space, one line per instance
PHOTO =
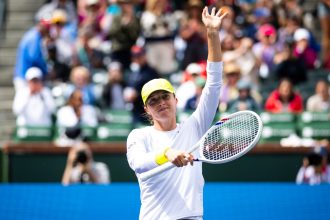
66,179
214,46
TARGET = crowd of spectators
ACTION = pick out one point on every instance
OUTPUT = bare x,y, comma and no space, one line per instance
86,56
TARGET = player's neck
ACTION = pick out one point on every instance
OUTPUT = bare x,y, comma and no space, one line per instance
166,125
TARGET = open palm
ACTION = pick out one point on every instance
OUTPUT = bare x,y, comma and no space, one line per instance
214,19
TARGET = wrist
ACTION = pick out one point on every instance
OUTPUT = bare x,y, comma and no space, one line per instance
212,32
161,158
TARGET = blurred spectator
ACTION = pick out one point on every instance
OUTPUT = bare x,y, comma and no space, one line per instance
80,79
324,16
289,9
322,151
284,99
266,49
192,103
187,89
140,73
112,95
320,101
34,105
241,53
289,66
287,29
90,15
315,167
30,52
81,167
244,101
302,48
229,92
87,52
311,170
158,29
76,113
59,33
58,71
192,33
49,9
123,33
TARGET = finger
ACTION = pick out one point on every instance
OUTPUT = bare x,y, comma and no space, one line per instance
218,13
205,11
213,11
177,162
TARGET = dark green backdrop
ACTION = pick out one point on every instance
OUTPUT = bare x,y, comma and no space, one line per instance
252,167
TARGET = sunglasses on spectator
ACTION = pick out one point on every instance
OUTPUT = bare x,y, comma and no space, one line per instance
155,100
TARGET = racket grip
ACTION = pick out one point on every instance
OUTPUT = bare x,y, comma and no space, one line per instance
158,170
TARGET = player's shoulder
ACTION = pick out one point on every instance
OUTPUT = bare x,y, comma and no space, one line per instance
142,131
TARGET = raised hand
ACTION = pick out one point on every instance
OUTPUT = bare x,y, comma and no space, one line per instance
213,20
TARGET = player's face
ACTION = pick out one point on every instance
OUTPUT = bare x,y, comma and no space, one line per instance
161,104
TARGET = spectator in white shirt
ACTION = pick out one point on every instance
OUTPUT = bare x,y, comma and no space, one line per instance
75,113
34,105
320,101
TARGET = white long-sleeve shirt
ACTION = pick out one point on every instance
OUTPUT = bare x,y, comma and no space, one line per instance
33,109
176,193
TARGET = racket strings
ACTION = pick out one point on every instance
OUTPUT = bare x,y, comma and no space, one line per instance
231,137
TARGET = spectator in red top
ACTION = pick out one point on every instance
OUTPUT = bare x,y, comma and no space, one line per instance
284,99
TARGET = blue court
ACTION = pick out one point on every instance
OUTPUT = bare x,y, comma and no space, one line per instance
121,201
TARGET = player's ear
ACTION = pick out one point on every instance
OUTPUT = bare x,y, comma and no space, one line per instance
146,109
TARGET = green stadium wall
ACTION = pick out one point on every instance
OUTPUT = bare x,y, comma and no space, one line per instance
250,168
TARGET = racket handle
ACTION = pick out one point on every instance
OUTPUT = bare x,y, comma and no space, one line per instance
158,170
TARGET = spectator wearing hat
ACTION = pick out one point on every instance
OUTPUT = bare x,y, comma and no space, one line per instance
242,55
284,99
30,52
112,94
244,101
33,105
48,9
266,49
232,74
302,48
60,51
320,101
187,89
123,33
140,73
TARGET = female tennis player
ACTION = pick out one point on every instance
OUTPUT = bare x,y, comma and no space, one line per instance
176,193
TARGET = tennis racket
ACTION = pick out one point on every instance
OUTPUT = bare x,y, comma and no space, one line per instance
230,138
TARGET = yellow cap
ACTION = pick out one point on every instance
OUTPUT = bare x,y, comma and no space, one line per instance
155,85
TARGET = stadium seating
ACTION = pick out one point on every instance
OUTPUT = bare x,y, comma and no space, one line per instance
314,125
277,126
29,133
118,127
